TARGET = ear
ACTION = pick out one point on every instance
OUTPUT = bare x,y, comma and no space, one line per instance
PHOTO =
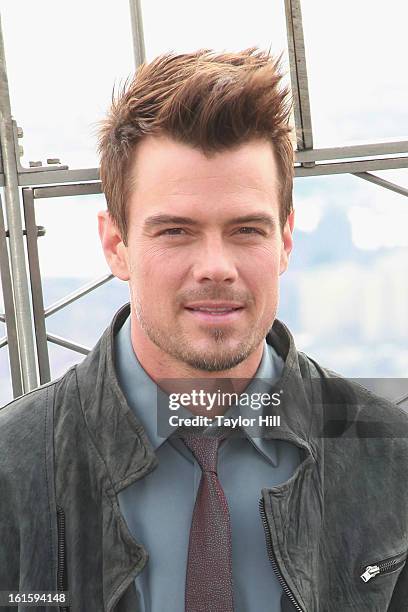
115,251
287,242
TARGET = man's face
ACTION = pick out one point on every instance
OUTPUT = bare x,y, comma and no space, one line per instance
205,251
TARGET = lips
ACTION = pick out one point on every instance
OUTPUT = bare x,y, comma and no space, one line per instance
219,307
214,310
215,313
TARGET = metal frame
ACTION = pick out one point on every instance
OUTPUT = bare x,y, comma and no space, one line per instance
380,156
39,311
21,298
139,52
298,74
10,316
25,312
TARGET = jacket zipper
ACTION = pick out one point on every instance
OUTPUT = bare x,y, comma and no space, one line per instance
272,558
383,567
61,554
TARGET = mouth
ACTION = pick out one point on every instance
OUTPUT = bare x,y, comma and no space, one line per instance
215,313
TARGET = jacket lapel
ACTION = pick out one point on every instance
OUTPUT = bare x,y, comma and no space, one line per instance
126,454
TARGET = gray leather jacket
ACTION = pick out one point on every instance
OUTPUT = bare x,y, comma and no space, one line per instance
67,448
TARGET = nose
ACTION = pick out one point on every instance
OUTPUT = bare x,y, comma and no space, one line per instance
214,262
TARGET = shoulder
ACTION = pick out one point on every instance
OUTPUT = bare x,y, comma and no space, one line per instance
351,400
24,421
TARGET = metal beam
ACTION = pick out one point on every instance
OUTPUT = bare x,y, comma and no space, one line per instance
59,176
372,178
36,286
86,175
352,167
349,152
49,177
139,51
10,315
59,191
24,320
73,346
298,74
75,295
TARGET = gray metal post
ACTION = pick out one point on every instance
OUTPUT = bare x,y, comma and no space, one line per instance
25,331
10,315
298,75
137,32
36,286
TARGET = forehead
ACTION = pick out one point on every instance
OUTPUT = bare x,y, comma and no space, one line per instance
164,171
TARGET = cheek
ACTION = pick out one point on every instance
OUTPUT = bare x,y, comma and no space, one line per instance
261,263
259,271
156,270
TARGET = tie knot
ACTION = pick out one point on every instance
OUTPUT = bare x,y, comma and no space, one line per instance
204,449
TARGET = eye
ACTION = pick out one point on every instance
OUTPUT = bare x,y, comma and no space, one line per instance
172,231
250,230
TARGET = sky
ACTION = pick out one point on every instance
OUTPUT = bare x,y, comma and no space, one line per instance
64,59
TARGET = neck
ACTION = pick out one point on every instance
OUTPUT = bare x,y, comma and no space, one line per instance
163,369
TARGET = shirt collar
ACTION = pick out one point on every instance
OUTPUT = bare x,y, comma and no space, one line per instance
121,439
141,391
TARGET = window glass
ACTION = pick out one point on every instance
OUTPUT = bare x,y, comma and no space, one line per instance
63,58
345,293
70,258
356,56
71,245
183,26
83,321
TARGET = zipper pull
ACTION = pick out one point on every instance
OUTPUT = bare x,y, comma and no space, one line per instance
370,571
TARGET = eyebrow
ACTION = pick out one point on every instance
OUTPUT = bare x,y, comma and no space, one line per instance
162,219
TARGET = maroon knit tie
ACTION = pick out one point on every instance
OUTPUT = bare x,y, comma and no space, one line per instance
209,571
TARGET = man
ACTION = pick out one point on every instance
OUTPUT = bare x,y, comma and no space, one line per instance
102,493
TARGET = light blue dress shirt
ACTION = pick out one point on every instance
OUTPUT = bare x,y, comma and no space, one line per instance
158,508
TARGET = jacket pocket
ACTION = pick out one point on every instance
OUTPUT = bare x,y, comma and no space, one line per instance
61,556
385,566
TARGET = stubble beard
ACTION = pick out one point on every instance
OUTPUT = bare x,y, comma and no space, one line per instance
175,343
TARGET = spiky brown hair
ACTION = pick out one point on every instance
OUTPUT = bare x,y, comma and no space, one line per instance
211,101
